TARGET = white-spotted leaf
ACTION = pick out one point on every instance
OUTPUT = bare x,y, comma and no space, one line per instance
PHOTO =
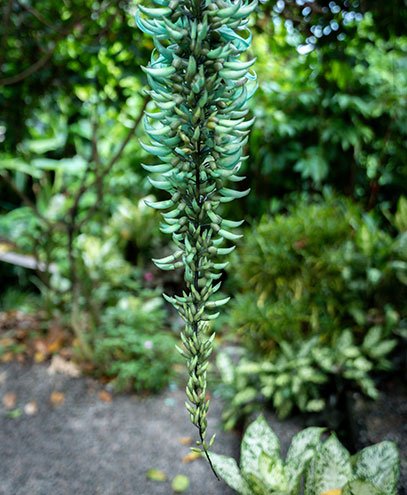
330,468
272,473
379,464
300,453
227,469
258,438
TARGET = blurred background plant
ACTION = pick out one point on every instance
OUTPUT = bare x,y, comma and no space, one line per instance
73,203
319,306
321,268
331,104
132,349
319,280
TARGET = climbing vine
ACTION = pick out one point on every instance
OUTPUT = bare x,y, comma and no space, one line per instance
200,87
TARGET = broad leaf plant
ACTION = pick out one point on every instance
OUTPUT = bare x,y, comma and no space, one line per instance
321,467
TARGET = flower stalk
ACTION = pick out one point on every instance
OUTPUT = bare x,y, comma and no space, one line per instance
200,87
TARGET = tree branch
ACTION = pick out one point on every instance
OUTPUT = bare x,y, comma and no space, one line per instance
25,199
36,14
129,136
6,24
114,159
29,71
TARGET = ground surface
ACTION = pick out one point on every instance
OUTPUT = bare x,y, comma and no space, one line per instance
76,442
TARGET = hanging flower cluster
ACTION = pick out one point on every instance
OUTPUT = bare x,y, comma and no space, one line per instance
200,88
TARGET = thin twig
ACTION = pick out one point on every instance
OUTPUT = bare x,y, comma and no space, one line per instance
36,66
129,136
36,14
96,161
6,24
114,159
26,200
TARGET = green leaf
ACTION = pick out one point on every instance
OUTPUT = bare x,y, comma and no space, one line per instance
379,464
300,453
272,472
14,413
330,468
372,338
256,485
74,165
180,483
245,396
358,487
400,218
225,367
383,348
313,165
41,146
156,475
17,165
227,469
258,438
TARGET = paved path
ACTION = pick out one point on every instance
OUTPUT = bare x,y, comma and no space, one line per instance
86,446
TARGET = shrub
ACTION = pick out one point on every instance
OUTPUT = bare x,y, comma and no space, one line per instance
70,182
89,285
322,268
321,303
132,346
302,373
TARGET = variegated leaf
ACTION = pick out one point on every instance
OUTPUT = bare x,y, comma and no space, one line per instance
258,438
300,453
359,487
227,469
273,473
330,468
379,464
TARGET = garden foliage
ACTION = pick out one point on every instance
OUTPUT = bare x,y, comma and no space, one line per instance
319,269
131,348
87,237
320,305
331,115
324,297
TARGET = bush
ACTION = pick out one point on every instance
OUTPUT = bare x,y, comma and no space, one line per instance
301,374
322,268
320,302
132,346
334,115
91,286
